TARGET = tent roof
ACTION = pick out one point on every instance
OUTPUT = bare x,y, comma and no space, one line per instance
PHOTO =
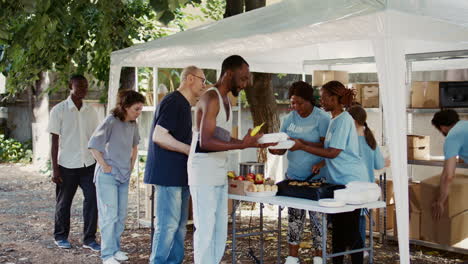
278,38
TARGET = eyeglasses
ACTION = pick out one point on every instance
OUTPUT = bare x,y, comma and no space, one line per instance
203,79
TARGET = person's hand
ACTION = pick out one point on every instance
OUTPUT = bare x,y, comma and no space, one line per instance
387,162
251,141
106,168
56,177
316,168
438,209
298,144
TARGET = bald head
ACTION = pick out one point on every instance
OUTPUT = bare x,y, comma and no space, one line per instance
190,70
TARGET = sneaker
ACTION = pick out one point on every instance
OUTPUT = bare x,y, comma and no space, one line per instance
120,256
292,260
110,260
93,246
366,254
318,260
63,243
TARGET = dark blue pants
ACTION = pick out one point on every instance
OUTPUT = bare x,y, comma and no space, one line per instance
346,235
71,179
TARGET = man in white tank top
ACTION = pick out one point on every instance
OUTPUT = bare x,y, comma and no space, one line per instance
207,160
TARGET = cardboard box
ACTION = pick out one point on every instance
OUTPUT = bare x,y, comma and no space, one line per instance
233,99
414,192
457,198
425,95
370,95
389,190
357,93
238,187
322,77
378,221
451,231
414,226
418,147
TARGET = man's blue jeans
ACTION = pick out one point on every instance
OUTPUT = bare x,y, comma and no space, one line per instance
112,197
171,212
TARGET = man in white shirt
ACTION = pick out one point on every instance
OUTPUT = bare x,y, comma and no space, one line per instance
71,125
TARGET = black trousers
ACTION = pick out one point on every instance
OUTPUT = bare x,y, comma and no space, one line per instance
71,179
346,235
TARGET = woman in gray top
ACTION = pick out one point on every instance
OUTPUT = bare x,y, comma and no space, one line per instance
114,146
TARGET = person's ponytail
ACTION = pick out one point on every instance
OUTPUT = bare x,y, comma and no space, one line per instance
369,136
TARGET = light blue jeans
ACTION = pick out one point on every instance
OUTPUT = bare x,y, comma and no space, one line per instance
112,198
210,215
171,208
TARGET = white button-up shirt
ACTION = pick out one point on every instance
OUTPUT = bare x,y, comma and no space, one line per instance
74,128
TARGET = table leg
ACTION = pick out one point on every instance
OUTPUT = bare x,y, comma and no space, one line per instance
324,238
278,260
371,239
233,216
261,233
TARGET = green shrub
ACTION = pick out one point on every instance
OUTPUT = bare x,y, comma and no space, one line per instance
12,150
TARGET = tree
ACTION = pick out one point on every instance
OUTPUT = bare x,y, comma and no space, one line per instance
260,95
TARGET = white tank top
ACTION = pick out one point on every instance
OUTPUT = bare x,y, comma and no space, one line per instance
209,168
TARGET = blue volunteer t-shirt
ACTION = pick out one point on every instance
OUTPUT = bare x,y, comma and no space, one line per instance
348,165
372,158
456,142
310,128
165,167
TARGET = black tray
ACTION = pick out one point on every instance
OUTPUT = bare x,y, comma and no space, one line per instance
307,192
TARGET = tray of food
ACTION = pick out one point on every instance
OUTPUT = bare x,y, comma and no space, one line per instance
308,190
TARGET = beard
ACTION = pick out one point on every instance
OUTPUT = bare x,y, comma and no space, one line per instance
234,88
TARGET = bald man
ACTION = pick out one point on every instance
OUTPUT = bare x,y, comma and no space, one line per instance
166,166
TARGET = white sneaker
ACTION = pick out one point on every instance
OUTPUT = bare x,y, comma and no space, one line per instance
110,260
292,260
318,260
120,256
366,254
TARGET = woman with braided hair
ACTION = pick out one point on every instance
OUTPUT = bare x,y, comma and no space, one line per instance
341,153
370,152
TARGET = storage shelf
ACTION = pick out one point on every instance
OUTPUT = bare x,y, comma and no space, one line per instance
433,110
435,163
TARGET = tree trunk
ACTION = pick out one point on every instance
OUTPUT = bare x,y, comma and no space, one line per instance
127,78
39,105
260,95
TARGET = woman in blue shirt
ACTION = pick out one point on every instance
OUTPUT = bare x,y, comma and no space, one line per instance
341,153
114,146
369,150
308,124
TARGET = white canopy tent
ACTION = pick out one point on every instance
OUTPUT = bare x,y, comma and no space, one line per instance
293,36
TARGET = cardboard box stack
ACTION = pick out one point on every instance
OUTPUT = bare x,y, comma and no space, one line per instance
425,95
452,228
418,147
367,94
377,214
322,77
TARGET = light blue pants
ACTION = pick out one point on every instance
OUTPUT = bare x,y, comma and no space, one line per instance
112,198
171,210
210,215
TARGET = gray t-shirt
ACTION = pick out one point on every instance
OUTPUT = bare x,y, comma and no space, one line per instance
115,140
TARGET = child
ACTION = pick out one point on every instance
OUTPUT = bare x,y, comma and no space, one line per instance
369,151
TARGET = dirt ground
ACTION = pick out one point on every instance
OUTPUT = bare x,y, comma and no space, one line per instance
27,205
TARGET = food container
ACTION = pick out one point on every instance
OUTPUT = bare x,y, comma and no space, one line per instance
273,138
287,144
358,193
251,167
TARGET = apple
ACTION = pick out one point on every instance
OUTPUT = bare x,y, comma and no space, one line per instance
259,178
240,178
250,177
